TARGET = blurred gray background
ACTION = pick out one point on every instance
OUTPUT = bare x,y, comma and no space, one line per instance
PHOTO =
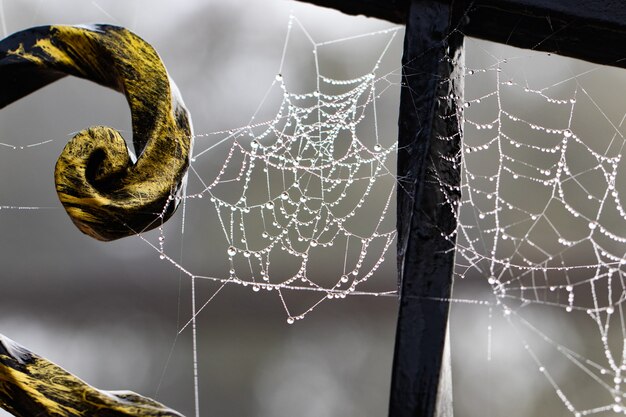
110,312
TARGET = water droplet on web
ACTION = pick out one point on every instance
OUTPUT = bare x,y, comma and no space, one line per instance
231,251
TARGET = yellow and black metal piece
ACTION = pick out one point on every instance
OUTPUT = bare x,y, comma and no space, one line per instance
107,194
33,386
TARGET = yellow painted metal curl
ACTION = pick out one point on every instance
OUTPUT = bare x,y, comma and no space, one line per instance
105,193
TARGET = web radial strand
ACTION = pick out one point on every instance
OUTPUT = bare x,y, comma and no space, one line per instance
541,223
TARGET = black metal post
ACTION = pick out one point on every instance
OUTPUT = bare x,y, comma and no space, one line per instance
428,194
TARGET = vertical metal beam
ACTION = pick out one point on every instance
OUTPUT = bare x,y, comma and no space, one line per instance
429,175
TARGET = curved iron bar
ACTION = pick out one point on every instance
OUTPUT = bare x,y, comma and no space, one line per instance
106,194
33,386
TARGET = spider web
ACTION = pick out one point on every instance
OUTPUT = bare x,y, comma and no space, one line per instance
304,200
541,221
314,178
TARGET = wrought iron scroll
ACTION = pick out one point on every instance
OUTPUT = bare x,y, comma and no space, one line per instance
107,194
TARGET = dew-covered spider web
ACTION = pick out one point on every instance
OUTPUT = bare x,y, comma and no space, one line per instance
313,182
302,199
541,240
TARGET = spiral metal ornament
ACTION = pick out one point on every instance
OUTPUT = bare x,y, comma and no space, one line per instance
106,194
